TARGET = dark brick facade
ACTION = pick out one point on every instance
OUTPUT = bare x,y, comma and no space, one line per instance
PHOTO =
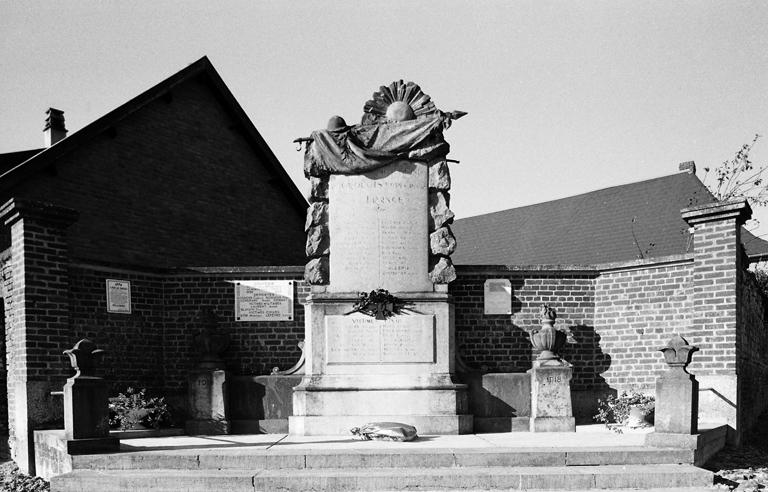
174,184
752,362
153,346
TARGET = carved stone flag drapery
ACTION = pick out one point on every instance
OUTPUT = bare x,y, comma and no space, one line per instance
400,124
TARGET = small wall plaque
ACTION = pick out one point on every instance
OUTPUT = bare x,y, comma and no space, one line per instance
118,296
264,300
498,296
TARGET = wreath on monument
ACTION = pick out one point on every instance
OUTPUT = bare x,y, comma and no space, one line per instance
378,303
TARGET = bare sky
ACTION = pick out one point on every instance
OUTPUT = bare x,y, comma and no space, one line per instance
563,97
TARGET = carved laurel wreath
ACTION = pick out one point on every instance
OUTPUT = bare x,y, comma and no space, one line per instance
378,303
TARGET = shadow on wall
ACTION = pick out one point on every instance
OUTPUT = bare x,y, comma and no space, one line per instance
589,364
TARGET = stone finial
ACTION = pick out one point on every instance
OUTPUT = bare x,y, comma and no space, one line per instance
547,313
548,340
209,342
83,358
678,353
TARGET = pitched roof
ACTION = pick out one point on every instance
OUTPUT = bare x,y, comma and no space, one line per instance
17,166
621,223
12,159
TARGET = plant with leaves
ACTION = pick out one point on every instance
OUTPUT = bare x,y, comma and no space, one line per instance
133,408
613,411
739,177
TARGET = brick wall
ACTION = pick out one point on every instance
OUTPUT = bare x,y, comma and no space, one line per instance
37,308
254,348
133,342
637,310
499,343
152,346
174,184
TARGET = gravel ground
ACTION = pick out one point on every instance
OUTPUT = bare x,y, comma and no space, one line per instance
11,480
744,469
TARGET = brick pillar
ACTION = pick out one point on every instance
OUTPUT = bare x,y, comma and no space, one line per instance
37,328
717,276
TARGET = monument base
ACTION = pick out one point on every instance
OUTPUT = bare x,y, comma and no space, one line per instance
208,402
553,424
492,425
361,369
551,409
336,425
207,427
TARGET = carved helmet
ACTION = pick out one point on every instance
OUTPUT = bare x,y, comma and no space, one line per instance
337,124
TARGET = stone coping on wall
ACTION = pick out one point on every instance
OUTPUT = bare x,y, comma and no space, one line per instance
287,270
293,270
596,269
717,211
644,263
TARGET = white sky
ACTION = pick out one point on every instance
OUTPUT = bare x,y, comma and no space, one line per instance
563,97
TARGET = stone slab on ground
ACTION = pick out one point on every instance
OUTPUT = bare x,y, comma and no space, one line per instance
286,451
481,478
254,459
608,477
154,480
705,444
581,460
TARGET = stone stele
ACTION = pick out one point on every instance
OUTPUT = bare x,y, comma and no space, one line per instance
208,402
551,408
378,229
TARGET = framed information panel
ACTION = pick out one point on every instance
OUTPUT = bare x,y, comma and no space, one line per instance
118,296
264,300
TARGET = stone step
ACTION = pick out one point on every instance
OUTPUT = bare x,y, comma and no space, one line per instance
607,477
262,459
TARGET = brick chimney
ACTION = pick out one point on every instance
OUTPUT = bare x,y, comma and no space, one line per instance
54,126
687,166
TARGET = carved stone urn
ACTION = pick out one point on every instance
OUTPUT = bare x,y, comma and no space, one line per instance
548,340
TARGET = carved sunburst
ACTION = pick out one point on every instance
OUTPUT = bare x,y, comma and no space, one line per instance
397,102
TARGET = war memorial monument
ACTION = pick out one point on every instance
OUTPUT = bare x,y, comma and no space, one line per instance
380,337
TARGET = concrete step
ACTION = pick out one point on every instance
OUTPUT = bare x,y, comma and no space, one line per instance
607,477
245,458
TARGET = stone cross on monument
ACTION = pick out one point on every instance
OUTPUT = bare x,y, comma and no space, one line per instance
379,223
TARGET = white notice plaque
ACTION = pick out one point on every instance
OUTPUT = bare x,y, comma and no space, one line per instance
118,296
498,296
264,300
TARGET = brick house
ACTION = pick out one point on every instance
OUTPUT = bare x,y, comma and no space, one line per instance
176,177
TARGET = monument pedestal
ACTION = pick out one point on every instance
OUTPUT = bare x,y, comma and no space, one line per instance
208,402
551,409
676,409
86,416
379,331
360,369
